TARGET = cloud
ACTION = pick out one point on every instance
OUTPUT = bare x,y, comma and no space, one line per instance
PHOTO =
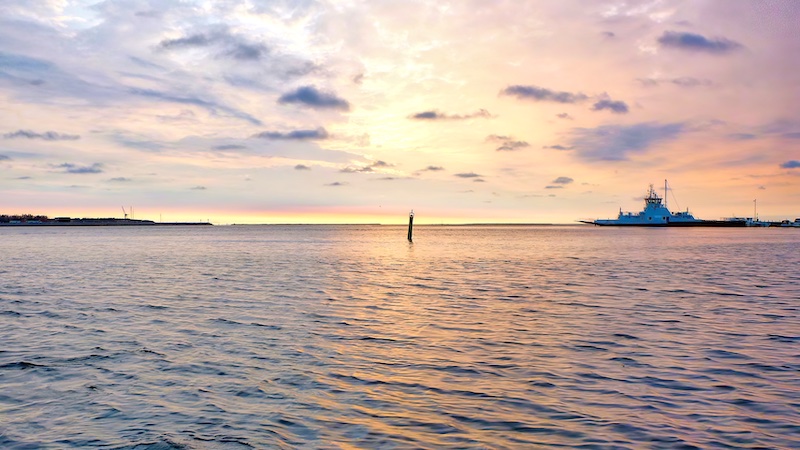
558,147
512,145
696,42
195,40
366,169
198,188
498,137
302,167
436,115
467,175
432,169
542,94
564,116
617,107
687,82
247,52
337,183
226,147
47,135
212,107
782,126
73,168
617,142
294,135
313,98
120,180
553,187
4,157
691,82
232,46
742,136
608,34
562,180
792,135
793,164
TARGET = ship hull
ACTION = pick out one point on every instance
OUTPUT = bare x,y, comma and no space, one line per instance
700,223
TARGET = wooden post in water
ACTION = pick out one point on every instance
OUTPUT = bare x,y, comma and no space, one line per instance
410,224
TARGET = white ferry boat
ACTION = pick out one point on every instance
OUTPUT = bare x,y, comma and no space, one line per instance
656,214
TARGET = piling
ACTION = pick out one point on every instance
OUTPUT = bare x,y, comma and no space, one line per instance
410,224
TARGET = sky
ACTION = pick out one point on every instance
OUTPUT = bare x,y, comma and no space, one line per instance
248,111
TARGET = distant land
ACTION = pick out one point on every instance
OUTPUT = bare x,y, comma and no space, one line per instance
39,220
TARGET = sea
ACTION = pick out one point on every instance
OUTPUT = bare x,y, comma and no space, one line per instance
351,337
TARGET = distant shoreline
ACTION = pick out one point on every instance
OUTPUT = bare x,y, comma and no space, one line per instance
100,223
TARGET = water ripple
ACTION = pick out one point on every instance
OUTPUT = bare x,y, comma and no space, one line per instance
348,337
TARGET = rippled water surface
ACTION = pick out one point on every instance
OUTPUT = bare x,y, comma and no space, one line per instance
350,337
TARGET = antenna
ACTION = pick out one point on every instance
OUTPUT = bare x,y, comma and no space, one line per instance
123,212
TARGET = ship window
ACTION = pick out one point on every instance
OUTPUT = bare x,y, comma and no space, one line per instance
649,218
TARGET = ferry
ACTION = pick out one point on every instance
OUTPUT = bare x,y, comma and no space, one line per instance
656,214
795,224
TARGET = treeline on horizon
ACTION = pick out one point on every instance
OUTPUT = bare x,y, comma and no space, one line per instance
6,218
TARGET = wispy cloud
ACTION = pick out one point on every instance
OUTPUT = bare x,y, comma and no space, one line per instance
311,97
294,135
437,115
697,42
120,180
498,138
211,106
618,107
46,136
559,183
691,82
562,180
229,45
337,183
537,93
618,142
506,143
4,157
227,147
792,164
564,116
686,82
432,169
367,168
510,146
194,40
302,167
76,169
198,188
557,147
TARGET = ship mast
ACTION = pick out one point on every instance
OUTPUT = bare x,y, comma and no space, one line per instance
665,194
